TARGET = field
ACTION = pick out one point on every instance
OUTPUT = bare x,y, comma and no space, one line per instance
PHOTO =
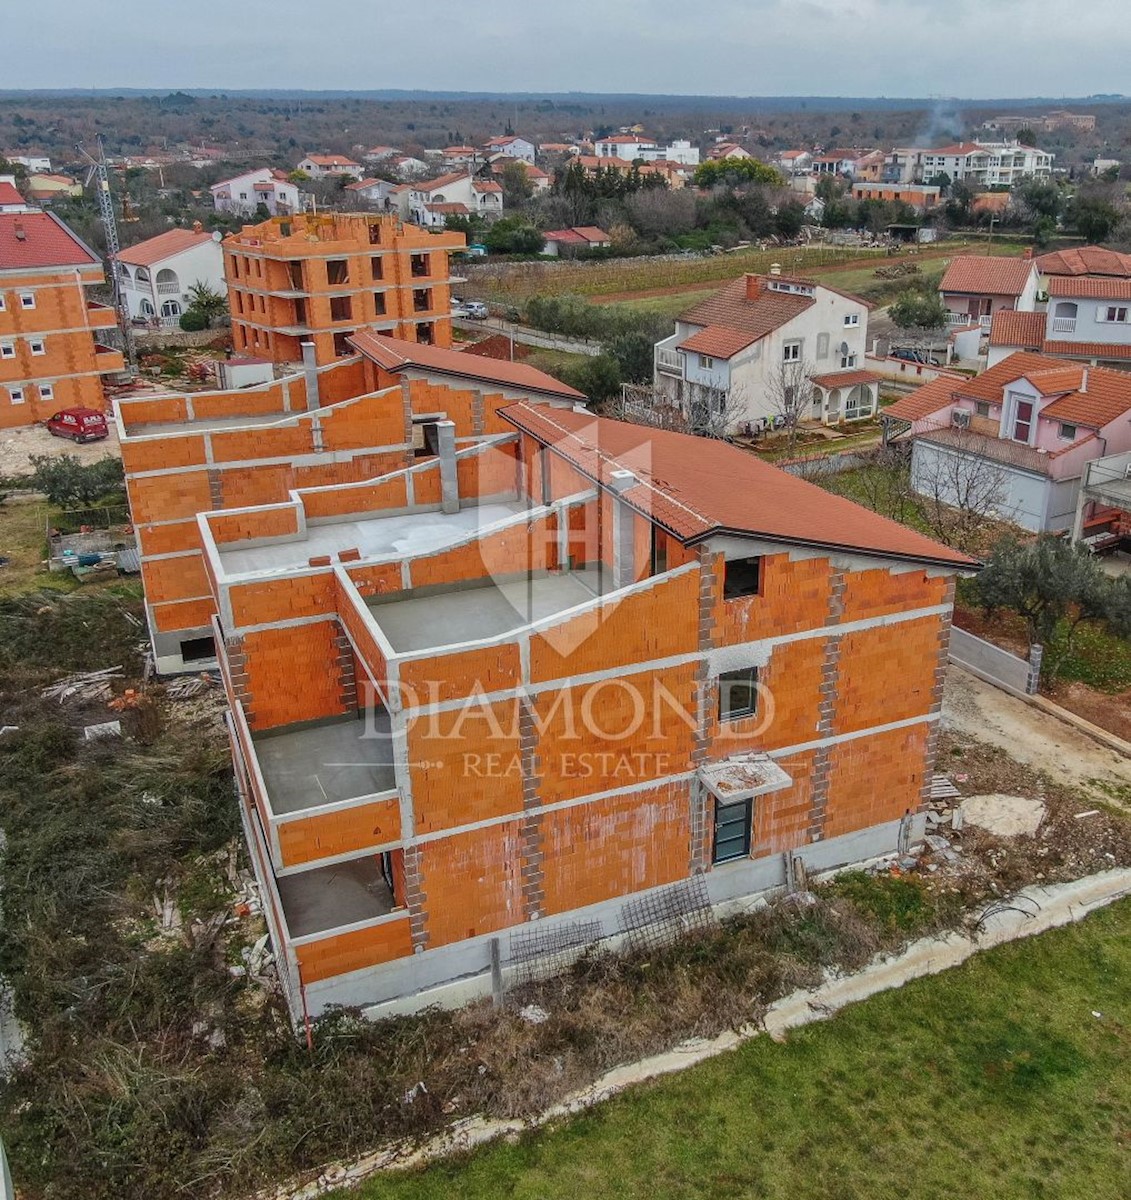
1009,1077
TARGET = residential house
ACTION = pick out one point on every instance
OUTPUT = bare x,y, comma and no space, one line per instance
382,194
727,150
1084,260
432,201
981,164
325,166
1018,436
576,669
538,179
564,242
793,162
10,198
318,278
975,287
376,154
511,146
680,151
919,196
266,186
46,189
33,164
675,174
592,163
1086,318
407,166
625,146
559,148
736,356
157,275
1101,166
50,353
461,156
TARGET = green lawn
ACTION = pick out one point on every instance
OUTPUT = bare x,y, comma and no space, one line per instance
992,1080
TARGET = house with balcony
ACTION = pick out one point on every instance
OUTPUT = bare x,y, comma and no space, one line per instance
459,193
975,287
266,186
325,166
511,146
1086,319
1019,436
1096,261
545,673
734,357
157,275
626,146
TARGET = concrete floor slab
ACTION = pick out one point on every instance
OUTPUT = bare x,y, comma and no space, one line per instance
322,764
466,614
329,897
208,424
375,537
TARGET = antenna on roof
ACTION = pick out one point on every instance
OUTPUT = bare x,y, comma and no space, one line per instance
99,173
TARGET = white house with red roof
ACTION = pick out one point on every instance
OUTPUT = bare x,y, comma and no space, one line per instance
1018,437
976,286
157,275
983,164
267,186
625,146
734,356
512,146
578,237
459,193
324,166
10,198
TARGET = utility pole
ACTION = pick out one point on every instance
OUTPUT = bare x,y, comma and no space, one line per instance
101,179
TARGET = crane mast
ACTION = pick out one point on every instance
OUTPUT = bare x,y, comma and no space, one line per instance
101,179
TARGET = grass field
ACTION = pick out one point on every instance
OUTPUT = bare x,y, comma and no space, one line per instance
1007,1078
23,541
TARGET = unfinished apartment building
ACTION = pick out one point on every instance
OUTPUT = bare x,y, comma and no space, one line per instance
548,667
319,278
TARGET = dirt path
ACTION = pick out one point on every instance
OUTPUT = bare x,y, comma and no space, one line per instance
18,445
1034,738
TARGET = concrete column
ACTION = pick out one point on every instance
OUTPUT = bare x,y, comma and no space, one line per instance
449,477
310,371
624,566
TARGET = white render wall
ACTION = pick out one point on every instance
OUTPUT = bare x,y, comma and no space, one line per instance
203,263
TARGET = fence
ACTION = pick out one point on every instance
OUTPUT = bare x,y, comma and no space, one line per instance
995,665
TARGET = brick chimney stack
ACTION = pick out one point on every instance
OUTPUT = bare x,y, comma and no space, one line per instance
755,286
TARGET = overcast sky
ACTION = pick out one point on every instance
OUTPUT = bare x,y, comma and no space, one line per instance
980,48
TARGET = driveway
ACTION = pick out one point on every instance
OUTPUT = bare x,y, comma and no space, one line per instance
1035,738
18,445
528,336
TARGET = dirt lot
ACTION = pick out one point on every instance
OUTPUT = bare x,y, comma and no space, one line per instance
1035,739
18,445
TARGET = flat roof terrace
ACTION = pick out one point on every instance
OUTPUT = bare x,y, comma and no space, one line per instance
375,537
210,424
487,608
326,762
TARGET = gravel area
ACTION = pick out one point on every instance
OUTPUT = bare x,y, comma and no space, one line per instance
18,445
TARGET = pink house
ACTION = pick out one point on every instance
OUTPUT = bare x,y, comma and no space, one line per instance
1024,430
976,286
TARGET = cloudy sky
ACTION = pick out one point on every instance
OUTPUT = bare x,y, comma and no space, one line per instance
980,48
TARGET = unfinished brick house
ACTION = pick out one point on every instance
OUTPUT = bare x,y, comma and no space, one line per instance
351,420
558,665
319,277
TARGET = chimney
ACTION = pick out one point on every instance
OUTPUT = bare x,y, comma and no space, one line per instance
755,286
1083,381
1028,252
21,232
775,269
197,227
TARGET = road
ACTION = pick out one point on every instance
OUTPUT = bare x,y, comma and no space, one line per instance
527,336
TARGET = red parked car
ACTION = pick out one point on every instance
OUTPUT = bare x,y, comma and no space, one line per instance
78,424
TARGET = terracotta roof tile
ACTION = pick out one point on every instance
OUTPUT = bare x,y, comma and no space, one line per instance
1024,330
1002,450
8,193
46,242
164,245
1107,350
732,310
697,487
1085,260
987,276
396,355
931,398
441,181
718,342
1089,288
847,378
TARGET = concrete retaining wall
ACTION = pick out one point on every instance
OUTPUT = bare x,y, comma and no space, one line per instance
995,665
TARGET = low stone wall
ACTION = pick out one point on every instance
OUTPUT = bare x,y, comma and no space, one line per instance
995,665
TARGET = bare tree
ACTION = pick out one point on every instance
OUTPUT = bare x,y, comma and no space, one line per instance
963,492
789,392
883,482
706,412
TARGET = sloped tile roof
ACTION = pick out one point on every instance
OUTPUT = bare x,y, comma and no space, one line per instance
983,275
718,342
1108,350
846,378
696,487
396,355
45,242
1001,450
163,246
1087,287
1085,260
731,309
8,193
1024,330
931,398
